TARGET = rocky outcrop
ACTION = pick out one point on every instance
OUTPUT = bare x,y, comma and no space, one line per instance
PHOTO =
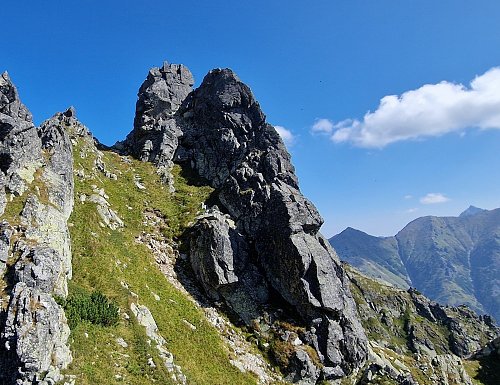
156,129
36,333
38,170
145,318
20,145
491,349
266,250
466,330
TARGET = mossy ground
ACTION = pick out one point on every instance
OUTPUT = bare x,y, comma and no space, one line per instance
103,259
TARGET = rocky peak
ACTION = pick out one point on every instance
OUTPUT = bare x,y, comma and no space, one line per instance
162,93
156,130
471,210
224,127
266,251
20,146
222,95
10,103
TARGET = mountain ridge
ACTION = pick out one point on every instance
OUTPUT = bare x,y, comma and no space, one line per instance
444,257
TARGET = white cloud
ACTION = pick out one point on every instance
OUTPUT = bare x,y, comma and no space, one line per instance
429,111
322,126
286,135
408,196
412,210
432,198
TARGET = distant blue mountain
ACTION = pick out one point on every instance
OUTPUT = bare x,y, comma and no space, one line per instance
453,260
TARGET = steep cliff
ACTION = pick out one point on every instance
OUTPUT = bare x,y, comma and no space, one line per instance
37,191
266,251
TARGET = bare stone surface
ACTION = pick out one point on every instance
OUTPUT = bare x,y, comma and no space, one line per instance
220,132
20,145
37,162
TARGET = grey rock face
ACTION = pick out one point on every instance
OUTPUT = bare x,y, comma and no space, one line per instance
221,262
36,332
301,369
214,235
156,132
59,171
5,235
271,238
20,146
47,227
33,328
39,268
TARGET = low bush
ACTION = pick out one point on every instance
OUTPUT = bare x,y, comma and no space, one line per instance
93,307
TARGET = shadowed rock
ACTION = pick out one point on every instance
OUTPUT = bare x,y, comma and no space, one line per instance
269,238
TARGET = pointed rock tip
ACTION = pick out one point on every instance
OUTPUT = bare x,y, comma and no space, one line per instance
225,73
471,210
173,73
70,112
5,78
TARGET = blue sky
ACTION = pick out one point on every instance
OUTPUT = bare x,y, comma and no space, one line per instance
321,62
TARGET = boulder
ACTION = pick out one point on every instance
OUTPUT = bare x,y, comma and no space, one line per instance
301,369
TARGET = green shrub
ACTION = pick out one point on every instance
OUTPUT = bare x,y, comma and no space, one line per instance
95,308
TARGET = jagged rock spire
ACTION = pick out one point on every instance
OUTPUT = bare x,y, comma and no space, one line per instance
10,104
155,133
269,240
20,146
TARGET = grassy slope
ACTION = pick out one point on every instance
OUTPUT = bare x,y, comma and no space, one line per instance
102,258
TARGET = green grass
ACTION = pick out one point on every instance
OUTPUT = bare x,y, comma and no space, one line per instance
103,258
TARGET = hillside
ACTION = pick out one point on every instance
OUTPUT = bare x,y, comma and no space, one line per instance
453,260
186,254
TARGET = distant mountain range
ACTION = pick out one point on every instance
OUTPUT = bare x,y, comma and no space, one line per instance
453,260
